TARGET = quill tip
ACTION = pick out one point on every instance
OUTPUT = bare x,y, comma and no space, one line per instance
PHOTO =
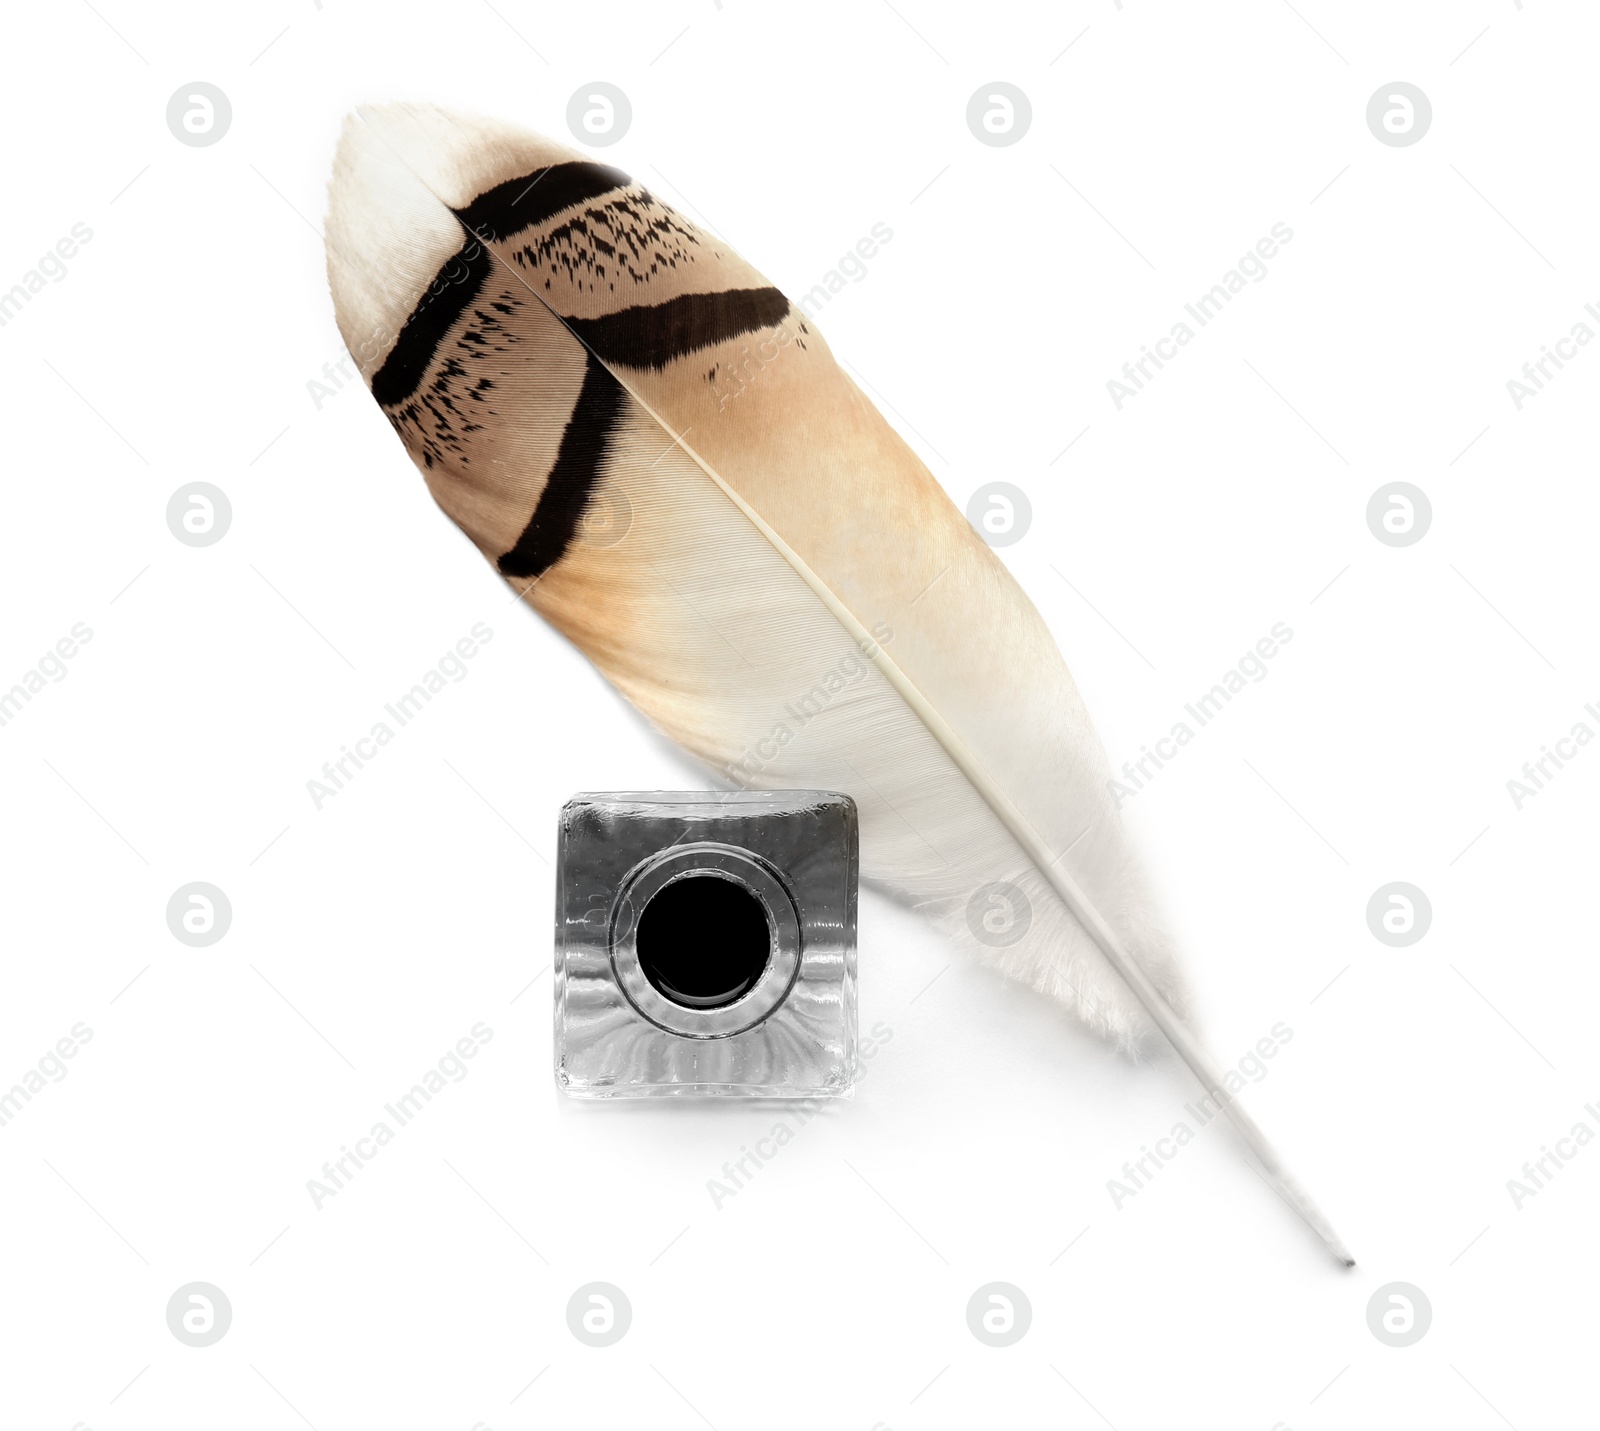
1334,1243
1320,1225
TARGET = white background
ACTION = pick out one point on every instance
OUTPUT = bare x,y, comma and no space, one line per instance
369,936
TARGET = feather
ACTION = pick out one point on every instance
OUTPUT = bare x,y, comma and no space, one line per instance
662,455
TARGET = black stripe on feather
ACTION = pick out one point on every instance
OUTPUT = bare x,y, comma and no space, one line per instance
584,444
534,198
653,335
457,283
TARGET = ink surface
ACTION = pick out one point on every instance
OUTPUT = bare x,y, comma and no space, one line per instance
704,941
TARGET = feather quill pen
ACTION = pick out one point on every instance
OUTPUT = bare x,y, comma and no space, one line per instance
661,454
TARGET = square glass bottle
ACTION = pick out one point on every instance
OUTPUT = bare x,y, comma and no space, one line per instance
706,945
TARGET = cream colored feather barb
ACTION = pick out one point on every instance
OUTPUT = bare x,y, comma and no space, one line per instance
646,439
